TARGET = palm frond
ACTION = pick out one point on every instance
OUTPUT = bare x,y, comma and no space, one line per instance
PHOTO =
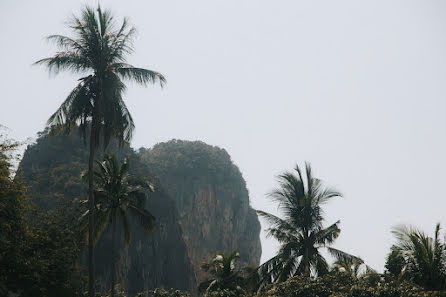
67,60
328,235
144,217
141,76
343,256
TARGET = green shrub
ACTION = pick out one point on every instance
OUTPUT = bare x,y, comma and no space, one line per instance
163,293
343,285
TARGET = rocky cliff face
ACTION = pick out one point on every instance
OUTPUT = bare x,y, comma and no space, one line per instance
51,169
211,198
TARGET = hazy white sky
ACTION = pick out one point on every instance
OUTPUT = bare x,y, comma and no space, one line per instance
355,87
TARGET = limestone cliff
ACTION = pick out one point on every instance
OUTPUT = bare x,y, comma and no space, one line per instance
51,168
211,197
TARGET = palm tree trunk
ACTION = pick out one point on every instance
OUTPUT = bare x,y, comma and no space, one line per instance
91,289
306,257
307,265
113,254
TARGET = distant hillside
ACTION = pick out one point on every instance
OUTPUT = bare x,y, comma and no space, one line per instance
211,197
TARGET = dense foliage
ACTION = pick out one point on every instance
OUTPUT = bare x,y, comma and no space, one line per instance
419,257
37,252
225,274
191,158
344,285
163,293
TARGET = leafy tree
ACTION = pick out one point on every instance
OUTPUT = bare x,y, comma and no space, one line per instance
225,274
301,232
37,256
395,262
98,51
424,256
12,220
344,285
163,293
117,194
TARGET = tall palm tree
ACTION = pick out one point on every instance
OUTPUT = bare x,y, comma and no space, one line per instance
423,255
224,274
98,52
117,195
301,232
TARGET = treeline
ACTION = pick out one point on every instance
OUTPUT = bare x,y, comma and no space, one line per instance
38,251
415,265
41,253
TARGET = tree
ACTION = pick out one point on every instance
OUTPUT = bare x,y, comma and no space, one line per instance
225,274
423,255
118,194
37,251
98,51
352,266
300,233
395,262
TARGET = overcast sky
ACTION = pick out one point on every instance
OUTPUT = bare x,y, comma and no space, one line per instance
357,88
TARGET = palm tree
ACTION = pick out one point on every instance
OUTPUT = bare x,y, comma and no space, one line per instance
225,274
352,266
301,232
98,52
423,255
117,194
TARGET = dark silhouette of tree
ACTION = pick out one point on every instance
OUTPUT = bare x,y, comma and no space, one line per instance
118,195
225,274
301,232
97,51
424,256
395,262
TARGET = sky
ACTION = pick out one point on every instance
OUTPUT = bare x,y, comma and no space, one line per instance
356,88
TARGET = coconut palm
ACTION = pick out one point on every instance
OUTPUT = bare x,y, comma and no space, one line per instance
300,232
423,255
98,52
352,266
117,196
224,274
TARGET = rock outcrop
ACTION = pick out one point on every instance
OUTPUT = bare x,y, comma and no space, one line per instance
201,206
51,168
211,198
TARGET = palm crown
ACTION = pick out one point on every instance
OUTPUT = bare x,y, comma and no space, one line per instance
424,257
117,195
98,50
225,274
301,232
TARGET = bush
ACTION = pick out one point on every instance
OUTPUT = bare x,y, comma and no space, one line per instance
163,293
343,285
